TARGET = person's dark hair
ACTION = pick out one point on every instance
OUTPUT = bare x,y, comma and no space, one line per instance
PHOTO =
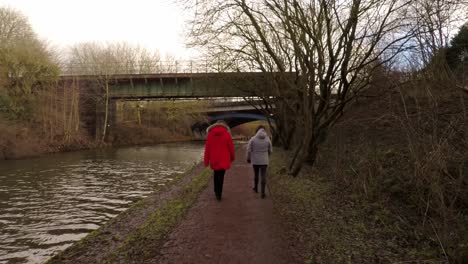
259,127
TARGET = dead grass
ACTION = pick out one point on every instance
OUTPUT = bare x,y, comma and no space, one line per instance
330,224
389,186
20,140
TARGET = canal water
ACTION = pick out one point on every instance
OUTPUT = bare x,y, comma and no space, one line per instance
48,203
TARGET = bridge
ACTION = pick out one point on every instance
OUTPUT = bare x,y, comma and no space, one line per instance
178,85
173,86
233,113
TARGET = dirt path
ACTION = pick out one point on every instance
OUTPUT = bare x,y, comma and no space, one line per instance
241,228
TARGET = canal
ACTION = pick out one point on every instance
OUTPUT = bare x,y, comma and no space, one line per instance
48,203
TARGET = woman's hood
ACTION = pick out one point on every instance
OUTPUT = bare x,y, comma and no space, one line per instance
261,134
218,125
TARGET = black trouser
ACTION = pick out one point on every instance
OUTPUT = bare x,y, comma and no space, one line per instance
260,169
218,182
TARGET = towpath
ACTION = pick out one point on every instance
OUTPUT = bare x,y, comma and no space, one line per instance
241,228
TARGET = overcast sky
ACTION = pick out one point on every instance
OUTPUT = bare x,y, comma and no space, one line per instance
154,24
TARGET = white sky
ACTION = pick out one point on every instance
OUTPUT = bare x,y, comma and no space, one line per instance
153,24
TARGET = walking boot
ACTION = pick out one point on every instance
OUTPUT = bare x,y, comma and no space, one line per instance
255,189
263,195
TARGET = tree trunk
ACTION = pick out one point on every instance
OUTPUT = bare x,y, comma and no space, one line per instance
106,113
316,141
301,153
284,134
276,138
296,167
312,155
294,158
289,137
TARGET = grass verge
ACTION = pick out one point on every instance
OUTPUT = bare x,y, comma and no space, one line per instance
143,244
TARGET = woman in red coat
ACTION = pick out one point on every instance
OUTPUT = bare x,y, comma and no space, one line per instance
219,153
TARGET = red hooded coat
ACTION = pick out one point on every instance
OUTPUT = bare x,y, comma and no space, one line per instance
219,149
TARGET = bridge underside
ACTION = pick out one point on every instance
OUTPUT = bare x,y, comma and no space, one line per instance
232,119
169,86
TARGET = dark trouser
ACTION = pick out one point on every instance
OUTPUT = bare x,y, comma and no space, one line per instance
218,182
260,169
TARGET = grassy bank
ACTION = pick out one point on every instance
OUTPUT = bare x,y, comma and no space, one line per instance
135,235
18,141
21,140
329,224
389,185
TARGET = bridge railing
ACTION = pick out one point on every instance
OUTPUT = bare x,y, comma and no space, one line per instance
146,67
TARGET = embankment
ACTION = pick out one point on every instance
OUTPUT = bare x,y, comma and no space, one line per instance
19,141
389,185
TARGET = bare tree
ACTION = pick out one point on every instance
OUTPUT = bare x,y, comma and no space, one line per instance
324,53
105,61
435,21
14,27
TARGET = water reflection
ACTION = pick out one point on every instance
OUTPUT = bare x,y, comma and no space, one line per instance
48,203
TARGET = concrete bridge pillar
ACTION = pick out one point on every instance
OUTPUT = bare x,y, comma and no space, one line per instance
93,109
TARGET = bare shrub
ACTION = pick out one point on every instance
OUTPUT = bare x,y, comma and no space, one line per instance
407,153
437,144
